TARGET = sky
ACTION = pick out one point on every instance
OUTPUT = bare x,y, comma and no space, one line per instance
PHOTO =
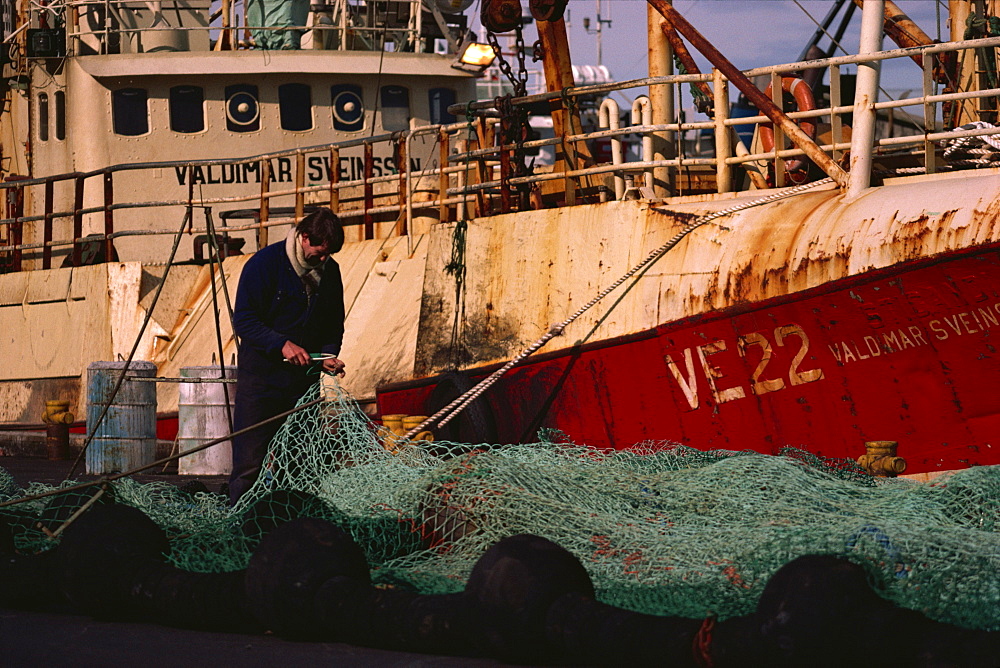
751,33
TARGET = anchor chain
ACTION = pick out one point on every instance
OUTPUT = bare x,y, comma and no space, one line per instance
513,118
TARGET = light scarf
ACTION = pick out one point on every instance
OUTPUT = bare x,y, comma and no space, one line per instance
310,273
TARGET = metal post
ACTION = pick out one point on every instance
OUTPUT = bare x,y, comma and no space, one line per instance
405,194
777,97
369,190
109,216
334,180
265,203
723,144
77,219
47,225
836,122
443,175
661,98
930,164
863,132
300,183
608,117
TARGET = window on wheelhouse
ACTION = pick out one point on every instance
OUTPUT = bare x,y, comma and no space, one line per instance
242,108
187,109
439,99
60,98
43,116
395,108
347,107
295,107
129,112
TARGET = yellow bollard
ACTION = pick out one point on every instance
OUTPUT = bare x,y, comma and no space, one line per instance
880,459
57,419
392,430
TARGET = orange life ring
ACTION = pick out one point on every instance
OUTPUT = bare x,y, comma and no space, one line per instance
797,169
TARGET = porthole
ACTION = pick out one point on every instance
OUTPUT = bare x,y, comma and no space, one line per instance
187,109
395,108
439,99
347,107
242,108
60,98
129,112
295,107
43,116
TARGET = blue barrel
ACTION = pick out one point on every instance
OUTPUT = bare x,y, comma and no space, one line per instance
126,437
202,416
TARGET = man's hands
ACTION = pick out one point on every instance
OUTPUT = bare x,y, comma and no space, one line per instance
334,366
297,355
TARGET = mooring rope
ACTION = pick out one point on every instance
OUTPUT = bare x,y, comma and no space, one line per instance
445,415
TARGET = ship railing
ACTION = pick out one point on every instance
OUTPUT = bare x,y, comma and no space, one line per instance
472,173
136,26
927,136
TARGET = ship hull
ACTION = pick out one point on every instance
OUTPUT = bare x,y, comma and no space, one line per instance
905,353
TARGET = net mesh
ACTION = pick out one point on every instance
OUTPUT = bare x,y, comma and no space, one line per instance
662,528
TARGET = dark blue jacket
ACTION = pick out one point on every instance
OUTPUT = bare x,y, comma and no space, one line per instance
272,307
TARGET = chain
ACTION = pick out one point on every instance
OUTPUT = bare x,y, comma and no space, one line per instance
520,80
504,66
521,86
514,120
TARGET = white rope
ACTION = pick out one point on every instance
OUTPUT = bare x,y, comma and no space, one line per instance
443,416
972,144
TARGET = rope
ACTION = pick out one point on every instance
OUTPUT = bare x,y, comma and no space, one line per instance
443,416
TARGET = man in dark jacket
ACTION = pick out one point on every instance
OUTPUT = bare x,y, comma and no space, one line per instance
289,304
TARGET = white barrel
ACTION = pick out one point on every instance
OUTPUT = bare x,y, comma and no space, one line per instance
126,438
202,417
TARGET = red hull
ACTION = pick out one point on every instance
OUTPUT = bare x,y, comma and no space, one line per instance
908,354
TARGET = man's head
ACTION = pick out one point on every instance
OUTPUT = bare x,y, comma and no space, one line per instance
321,233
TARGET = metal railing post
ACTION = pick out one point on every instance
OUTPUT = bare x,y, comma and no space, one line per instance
405,196
723,143
109,216
15,211
863,131
836,122
300,182
77,219
47,225
335,180
369,189
609,117
443,175
777,99
265,203
930,163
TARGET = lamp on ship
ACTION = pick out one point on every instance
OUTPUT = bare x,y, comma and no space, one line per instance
474,57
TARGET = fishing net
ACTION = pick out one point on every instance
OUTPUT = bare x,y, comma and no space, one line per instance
662,528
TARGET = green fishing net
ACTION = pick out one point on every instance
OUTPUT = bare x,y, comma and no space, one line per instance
662,528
